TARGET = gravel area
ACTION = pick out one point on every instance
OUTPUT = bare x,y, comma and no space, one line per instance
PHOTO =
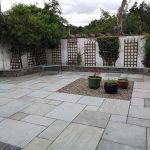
80,87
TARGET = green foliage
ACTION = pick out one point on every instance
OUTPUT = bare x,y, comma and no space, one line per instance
29,27
147,52
136,21
79,58
112,82
109,49
106,24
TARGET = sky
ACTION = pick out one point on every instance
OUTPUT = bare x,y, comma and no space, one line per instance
77,12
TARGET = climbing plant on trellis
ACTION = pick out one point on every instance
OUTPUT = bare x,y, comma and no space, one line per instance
37,57
109,50
90,53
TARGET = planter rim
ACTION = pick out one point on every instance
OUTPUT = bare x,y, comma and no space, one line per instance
111,84
94,77
122,80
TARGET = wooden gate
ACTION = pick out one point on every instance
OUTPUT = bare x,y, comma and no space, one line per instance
90,53
130,53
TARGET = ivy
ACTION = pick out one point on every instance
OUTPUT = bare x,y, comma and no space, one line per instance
147,52
109,49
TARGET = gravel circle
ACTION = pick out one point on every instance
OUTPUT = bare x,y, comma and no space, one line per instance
80,87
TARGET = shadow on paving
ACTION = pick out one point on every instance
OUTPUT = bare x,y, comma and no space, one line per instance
4,146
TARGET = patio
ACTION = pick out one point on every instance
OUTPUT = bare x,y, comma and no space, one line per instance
34,116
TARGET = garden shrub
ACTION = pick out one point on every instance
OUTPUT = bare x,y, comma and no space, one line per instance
109,50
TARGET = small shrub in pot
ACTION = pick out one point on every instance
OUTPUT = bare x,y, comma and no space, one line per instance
111,86
94,81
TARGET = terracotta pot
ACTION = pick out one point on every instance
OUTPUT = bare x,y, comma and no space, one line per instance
123,84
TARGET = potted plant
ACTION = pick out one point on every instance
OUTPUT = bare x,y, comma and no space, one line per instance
123,83
111,86
94,81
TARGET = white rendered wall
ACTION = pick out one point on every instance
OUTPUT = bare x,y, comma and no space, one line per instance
5,55
99,61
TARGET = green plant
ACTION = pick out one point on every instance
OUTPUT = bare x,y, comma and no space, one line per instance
79,58
125,79
28,27
112,82
147,52
109,49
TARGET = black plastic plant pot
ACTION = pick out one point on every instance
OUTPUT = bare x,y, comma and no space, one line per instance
94,82
111,89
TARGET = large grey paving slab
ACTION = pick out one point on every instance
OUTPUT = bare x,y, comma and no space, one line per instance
89,100
18,116
117,107
141,94
34,99
13,107
38,109
96,119
118,118
6,86
39,94
37,86
142,85
4,101
54,130
139,112
77,137
54,102
18,133
38,144
147,103
52,87
39,120
108,145
18,93
148,139
66,111
138,122
91,108
137,102
28,83
1,119
64,97
126,134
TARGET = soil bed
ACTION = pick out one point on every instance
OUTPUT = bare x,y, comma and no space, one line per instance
80,87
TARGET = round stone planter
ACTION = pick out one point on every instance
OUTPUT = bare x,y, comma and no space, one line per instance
94,82
111,89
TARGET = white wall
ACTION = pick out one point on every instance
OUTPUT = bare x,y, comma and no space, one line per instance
99,61
5,55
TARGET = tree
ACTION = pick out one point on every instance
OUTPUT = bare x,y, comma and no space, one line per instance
29,27
120,17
